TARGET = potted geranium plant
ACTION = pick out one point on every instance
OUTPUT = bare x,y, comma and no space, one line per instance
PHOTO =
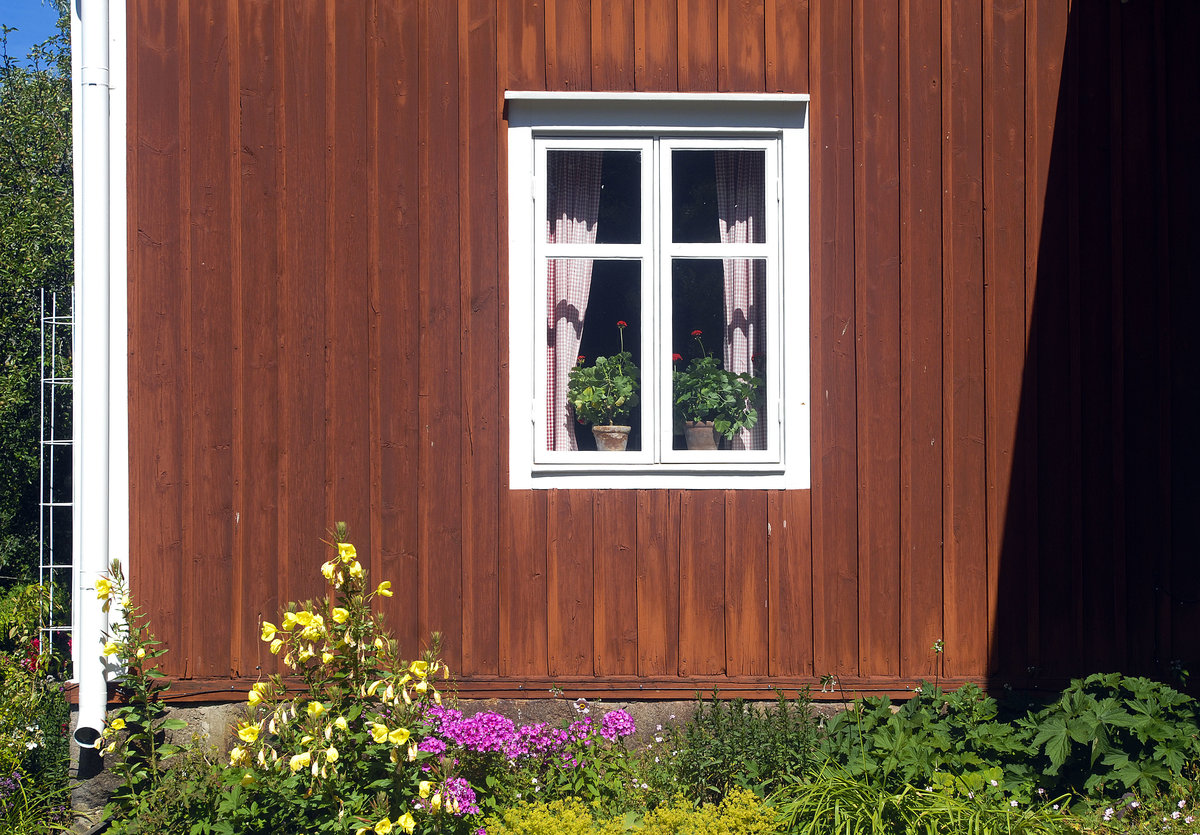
605,393
712,400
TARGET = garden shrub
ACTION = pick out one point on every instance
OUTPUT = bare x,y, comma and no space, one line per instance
1109,733
740,813
838,801
934,737
34,718
735,744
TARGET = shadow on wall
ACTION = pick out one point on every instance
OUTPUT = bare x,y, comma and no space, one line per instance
1100,566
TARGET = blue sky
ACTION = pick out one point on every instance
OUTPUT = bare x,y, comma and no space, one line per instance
34,19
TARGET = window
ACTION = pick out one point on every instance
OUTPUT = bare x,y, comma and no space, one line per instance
673,228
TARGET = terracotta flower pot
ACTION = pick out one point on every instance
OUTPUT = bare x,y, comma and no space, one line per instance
699,434
612,438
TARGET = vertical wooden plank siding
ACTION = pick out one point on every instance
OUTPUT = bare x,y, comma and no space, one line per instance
257,442
318,313
834,442
156,347
877,330
964,556
210,334
921,440
394,270
440,413
478,178
1004,299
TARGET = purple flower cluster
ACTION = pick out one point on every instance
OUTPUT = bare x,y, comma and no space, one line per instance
616,724
488,732
459,795
8,787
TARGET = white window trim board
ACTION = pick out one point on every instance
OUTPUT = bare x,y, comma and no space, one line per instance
638,114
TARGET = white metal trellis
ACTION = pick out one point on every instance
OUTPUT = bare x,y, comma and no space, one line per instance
54,459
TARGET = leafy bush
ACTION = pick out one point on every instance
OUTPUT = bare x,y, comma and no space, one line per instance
733,743
185,797
837,801
740,813
934,737
1109,733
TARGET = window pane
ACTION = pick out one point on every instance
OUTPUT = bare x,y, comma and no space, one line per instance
586,299
718,196
593,197
719,321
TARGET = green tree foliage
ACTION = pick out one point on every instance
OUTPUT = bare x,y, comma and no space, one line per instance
36,240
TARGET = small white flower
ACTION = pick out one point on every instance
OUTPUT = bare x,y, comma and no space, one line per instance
1134,804
1177,814
970,795
993,782
1108,813
1056,807
1012,803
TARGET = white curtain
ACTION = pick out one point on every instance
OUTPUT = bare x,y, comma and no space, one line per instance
740,202
573,207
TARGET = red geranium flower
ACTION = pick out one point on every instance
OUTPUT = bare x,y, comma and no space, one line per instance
621,323
676,357
580,359
697,333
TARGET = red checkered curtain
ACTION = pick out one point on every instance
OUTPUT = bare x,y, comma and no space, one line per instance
740,202
573,206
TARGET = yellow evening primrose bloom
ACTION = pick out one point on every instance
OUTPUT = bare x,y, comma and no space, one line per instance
340,723
103,588
399,736
384,589
406,823
247,732
300,761
326,657
238,756
268,630
327,569
111,648
419,668
340,615
379,643
435,802
141,652
275,645
356,570
412,750
331,754
375,685
117,724
303,618
421,686
289,621
383,827
424,786
315,709
346,551
379,733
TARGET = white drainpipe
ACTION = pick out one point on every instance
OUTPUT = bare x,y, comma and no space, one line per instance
92,392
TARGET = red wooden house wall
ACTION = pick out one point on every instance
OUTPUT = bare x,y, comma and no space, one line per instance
1001,293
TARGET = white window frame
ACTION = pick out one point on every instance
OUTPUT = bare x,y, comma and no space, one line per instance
661,122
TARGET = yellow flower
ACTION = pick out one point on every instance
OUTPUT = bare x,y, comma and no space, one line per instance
289,621
304,618
421,686
383,827
419,668
356,570
141,652
256,693
315,709
346,551
379,733
111,648
331,754
247,732
399,736
247,778
340,615
117,724
435,802
238,756
406,823
379,643
104,588
384,589
300,761
275,645
412,751
340,723
326,657
375,685
424,786
268,630
328,568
